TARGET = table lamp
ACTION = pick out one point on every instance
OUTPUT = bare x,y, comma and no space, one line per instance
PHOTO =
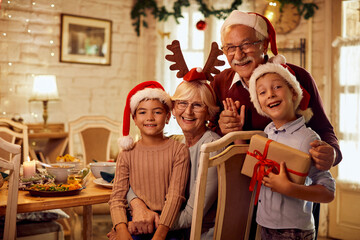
44,89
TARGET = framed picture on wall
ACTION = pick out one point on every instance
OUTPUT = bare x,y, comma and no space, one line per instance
85,40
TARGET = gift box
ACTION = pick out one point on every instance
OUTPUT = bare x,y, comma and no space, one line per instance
264,154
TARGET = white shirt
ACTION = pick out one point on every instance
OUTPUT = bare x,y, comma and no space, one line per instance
236,79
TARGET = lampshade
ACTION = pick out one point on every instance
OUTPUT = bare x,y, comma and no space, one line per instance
44,88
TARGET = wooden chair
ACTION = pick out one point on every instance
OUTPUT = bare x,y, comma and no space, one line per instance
14,132
235,201
13,135
14,166
95,133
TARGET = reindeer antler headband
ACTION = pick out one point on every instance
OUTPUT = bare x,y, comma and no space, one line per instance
182,68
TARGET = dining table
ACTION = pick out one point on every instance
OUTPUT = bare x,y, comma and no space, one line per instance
90,195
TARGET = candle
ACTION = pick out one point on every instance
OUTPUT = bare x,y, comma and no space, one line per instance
29,168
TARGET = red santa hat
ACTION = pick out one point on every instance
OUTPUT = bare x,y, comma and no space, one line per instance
197,74
256,21
277,65
142,91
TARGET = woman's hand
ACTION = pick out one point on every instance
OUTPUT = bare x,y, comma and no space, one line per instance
143,219
323,155
230,120
132,229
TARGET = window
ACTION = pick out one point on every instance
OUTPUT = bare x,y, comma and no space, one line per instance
349,92
192,42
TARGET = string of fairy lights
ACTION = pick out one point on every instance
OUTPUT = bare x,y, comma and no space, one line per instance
21,26
6,8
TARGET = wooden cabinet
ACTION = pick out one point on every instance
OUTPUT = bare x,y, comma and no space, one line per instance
47,144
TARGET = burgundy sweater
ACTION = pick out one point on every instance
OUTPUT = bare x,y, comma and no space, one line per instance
253,121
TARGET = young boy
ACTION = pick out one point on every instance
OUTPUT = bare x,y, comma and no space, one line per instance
155,167
285,208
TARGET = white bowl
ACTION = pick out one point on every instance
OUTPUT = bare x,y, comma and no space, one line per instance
98,167
60,171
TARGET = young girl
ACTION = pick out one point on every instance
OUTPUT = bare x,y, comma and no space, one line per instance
155,167
285,208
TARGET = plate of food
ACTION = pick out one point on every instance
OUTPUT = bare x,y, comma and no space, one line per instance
41,177
67,158
54,190
102,182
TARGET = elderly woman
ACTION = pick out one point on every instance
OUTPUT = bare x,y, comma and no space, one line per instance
194,105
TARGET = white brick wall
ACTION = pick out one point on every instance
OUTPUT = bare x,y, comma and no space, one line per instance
83,89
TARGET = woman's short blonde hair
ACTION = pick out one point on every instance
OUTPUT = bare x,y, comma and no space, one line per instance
188,90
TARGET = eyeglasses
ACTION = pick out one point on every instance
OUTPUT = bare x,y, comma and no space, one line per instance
245,47
195,106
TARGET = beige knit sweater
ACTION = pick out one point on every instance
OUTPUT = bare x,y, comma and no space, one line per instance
158,175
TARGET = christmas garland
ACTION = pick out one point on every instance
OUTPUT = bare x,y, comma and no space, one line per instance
305,9
162,14
141,6
221,13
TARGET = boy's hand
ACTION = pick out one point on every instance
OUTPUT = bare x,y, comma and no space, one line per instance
278,182
323,155
122,232
230,120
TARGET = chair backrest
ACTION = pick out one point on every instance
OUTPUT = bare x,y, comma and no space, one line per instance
14,166
95,133
235,201
14,132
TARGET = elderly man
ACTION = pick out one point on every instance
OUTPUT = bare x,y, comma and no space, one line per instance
245,38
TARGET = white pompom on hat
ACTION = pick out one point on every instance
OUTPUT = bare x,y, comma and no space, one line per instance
277,65
142,91
254,20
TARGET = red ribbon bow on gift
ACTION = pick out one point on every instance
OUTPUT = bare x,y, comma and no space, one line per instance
259,169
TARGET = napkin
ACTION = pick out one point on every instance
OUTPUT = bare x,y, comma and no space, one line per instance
4,175
107,176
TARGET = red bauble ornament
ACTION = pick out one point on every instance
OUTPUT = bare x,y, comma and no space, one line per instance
201,25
